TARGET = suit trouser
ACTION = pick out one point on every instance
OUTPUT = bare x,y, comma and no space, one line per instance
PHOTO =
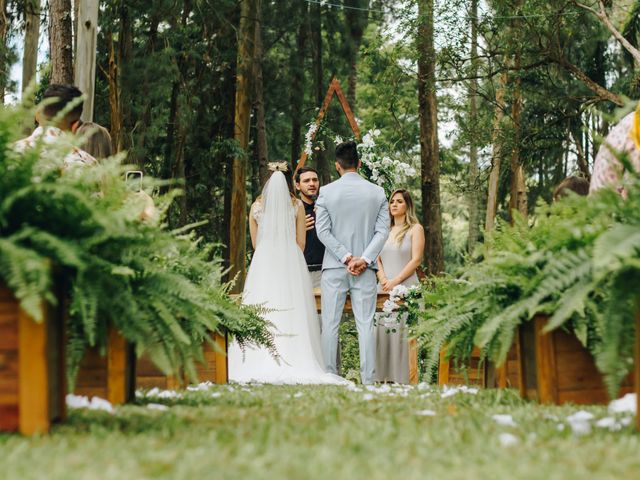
336,283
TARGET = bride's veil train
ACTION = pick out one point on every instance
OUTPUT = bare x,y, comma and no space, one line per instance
279,279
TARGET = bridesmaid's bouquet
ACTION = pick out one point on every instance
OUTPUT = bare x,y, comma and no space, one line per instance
403,302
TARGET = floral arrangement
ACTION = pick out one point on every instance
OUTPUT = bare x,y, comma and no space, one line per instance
402,302
377,166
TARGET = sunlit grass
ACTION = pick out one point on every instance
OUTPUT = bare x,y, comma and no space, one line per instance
324,433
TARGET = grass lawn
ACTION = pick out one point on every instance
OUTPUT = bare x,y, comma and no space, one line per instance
328,433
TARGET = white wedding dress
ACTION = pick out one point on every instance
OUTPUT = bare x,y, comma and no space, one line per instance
279,279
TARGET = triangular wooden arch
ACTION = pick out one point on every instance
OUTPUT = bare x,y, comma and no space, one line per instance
334,89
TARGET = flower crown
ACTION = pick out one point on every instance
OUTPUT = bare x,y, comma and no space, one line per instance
278,166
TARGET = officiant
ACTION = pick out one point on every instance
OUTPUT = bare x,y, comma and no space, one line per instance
308,184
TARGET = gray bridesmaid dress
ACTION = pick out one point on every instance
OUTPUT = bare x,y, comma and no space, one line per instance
392,349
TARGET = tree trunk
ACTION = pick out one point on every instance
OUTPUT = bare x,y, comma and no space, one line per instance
356,23
322,164
61,41
85,70
238,220
261,128
31,38
473,145
125,56
297,86
518,190
114,95
496,156
429,154
4,50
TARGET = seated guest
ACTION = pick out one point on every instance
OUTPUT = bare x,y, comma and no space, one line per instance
97,140
608,172
578,185
308,184
56,99
397,264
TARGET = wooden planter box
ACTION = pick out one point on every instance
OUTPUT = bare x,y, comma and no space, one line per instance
549,367
474,372
215,369
556,368
32,359
110,376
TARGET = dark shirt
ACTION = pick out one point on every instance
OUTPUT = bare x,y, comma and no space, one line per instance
314,248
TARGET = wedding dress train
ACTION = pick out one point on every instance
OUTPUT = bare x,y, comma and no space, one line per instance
278,278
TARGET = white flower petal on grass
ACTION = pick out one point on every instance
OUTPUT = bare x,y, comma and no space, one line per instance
157,406
426,413
580,416
77,401
96,403
215,394
200,387
504,420
609,422
508,440
579,422
298,395
560,427
168,394
580,428
367,396
626,404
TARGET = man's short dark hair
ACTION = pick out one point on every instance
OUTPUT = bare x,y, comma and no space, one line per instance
347,155
63,95
302,170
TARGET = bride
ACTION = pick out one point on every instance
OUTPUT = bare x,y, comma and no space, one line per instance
278,278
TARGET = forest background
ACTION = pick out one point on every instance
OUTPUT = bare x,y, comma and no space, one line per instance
493,102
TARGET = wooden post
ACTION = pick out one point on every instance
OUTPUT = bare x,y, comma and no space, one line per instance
413,362
31,37
85,68
443,368
33,384
32,381
546,362
221,359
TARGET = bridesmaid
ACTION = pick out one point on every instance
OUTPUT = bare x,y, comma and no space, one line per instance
397,265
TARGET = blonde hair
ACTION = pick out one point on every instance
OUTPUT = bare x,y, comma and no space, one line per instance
410,218
97,141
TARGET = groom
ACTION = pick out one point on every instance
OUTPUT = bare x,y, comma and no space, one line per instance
352,220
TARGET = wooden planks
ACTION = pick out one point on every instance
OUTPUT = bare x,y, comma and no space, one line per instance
214,369
382,297
32,381
474,373
9,412
109,376
561,370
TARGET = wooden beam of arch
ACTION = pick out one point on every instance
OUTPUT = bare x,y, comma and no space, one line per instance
334,89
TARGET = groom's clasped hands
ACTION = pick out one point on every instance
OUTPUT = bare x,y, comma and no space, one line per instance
356,265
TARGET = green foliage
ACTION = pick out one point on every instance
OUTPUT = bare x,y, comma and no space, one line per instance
74,234
578,262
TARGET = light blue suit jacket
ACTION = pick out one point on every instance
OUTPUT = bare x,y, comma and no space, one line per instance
352,216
